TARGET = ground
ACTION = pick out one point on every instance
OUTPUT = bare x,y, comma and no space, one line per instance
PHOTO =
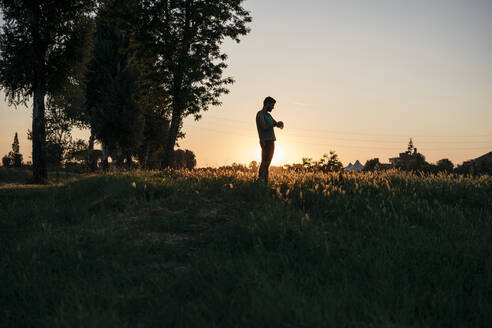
214,248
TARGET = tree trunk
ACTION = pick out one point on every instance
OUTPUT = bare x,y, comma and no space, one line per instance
40,171
105,155
119,156
178,107
91,159
173,134
146,160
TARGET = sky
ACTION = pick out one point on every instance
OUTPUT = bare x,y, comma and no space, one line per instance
358,77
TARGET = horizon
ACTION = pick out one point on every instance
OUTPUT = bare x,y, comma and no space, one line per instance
357,78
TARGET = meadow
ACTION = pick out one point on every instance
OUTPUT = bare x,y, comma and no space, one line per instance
213,248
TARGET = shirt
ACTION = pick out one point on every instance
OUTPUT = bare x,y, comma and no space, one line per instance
267,133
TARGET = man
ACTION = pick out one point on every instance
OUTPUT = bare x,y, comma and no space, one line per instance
265,124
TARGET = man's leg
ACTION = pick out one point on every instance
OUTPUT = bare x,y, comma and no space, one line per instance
261,173
267,149
270,150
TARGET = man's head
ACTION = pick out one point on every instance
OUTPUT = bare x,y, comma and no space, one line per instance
269,104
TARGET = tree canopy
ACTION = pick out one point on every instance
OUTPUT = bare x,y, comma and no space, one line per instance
41,43
14,157
186,37
111,86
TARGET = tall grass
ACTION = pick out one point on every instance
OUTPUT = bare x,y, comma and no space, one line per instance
214,248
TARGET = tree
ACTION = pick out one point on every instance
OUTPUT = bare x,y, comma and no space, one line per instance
445,165
156,126
418,163
58,132
411,147
14,158
40,43
66,109
6,161
15,144
58,127
183,159
54,156
190,159
15,154
186,36
331,162
111,87
371,165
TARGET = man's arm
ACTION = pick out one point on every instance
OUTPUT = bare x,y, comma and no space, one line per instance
278,124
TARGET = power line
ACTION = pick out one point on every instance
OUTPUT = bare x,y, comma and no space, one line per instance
339,145
248,132
362,134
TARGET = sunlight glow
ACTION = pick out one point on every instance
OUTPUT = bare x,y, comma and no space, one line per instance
278,155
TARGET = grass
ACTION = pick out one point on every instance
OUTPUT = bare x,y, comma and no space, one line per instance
24,176
214,248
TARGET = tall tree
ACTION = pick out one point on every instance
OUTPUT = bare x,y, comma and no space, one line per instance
410,147
40,41
66,109
14,158
445,165
186,37
111,87
15,144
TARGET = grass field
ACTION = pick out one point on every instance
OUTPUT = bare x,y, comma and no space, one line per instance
215,249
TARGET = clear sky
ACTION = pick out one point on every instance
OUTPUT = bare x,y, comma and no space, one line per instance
359,77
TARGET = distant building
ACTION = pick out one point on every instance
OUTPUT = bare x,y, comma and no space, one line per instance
485,159
356,167
404,158
480,165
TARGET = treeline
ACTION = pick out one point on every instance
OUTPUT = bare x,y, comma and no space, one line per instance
412,160
129,71
419,164
327,163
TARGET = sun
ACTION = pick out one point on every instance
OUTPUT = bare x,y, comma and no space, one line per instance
278,155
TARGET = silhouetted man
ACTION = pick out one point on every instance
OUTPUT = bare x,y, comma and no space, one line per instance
265,124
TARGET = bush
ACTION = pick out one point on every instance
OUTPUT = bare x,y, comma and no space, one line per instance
184,159
12,160
371,165
445,165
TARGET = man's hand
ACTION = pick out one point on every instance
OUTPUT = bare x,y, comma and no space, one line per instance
280,124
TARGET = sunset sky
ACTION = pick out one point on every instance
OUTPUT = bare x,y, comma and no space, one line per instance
359,77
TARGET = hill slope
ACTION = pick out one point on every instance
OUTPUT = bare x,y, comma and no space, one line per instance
213,248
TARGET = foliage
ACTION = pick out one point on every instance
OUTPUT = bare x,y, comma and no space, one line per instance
54,155
371,165
417,163
41,44
411,147
79,152
184,159
185,37
58,135
327,163
60,146
14,157
445,165
173,248
151,151
330,163
475,168
15,144
111,84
